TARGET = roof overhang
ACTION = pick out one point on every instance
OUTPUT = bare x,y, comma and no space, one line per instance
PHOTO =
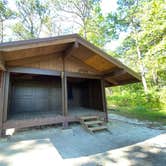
112,70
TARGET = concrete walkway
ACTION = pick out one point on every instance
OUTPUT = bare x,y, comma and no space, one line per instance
127,144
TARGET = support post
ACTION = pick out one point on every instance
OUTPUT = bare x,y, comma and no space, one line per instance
2,95
6,95
1,101
64,98
104,102
64,94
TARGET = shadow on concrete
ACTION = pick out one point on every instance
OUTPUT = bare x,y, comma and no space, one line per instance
76,142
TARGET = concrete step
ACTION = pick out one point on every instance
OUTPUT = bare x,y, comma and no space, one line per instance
93,122
97,128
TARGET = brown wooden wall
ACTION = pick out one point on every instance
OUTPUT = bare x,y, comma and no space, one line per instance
35,94
85,94
52,62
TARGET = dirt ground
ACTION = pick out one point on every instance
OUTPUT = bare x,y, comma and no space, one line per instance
126,144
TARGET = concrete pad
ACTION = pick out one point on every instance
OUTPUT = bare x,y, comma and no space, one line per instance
126,144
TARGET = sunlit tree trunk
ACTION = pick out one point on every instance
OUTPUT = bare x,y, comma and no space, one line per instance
142,68
1,23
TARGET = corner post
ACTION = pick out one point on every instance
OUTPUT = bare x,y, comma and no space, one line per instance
4,94
1,100
104,102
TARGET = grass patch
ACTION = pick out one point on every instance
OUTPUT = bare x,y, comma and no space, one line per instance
153,116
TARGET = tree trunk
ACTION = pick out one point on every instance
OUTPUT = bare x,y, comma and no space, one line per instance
142,69
1,31
155,77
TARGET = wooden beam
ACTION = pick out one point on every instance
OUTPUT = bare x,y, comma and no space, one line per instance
29,60
104,102
33,43
79,61
115,73
71,50
34,71
82,75
112,81
2,63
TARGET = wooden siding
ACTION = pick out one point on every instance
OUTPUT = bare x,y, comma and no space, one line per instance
51,63
55,62
35,94
85,93
31,52
73,64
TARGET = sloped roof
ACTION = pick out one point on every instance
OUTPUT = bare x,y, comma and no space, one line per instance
111,69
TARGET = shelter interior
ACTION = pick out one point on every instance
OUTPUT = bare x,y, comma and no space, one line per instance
33,96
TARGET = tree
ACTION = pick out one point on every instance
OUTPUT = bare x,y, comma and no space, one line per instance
126,19
87,18
32,15
5,14
80,10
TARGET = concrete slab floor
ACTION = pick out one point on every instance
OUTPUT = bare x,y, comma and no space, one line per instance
53,146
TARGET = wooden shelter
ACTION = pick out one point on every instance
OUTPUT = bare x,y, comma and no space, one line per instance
55,80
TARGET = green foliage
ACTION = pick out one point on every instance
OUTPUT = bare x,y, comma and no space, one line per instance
32,15
131,101
5,14
145,22
99,29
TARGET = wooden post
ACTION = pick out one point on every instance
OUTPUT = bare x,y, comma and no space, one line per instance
64,94
4,89
6,95
1,102
104,102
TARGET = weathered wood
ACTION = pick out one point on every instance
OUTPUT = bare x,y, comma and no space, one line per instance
24,123
1,101
97,128
82,75
92,123
74,64
2,63
111,80
71,49
104,99
68,40
116,62
28,60
84,118
64,93
33,43
6,95
34,71
115,73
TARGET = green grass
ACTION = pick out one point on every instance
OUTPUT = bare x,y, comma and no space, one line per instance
153,116
138,110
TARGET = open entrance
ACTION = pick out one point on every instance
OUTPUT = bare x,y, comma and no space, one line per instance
84,97
34,96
